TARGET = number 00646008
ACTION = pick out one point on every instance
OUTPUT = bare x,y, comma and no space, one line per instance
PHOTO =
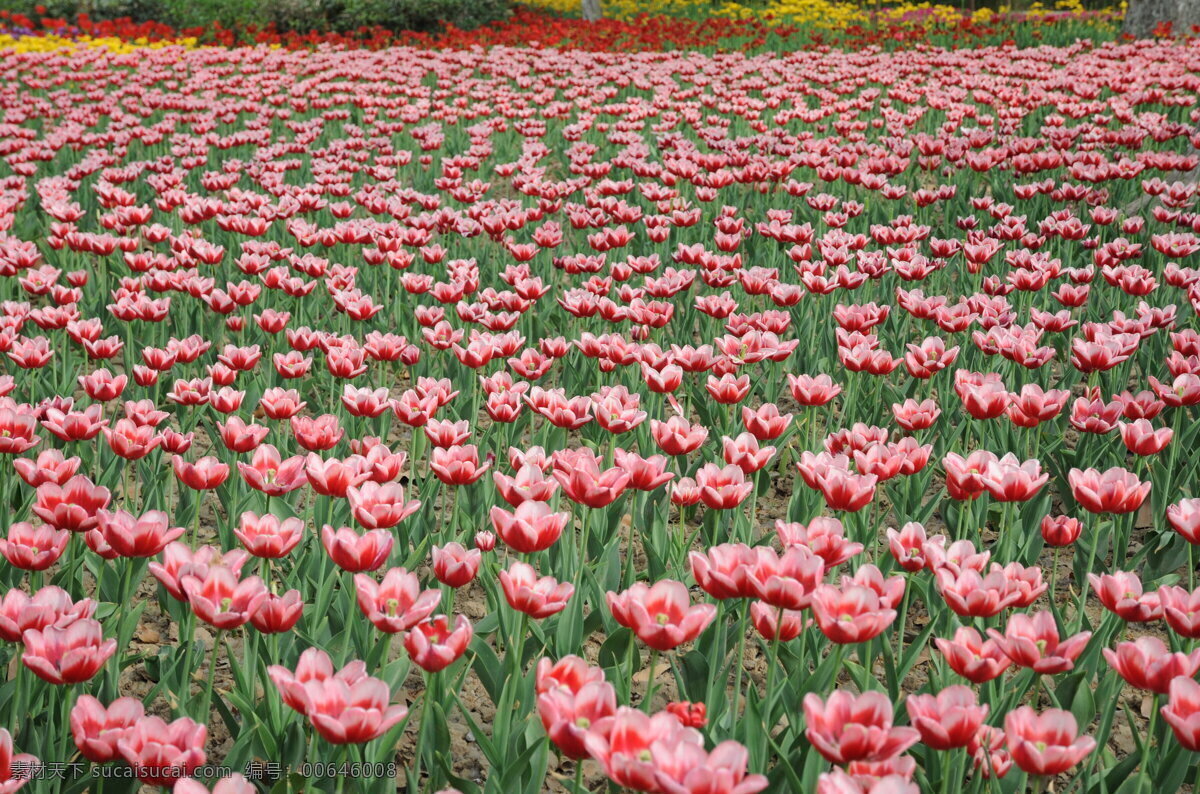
358,770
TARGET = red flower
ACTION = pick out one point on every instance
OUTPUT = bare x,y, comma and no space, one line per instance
947,720
1046,743
1145,663
398,603
661,616
848,728
67,655
1182,712
97,729
537,597
434,646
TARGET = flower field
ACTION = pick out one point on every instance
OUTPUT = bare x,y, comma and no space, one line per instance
528,419
632,25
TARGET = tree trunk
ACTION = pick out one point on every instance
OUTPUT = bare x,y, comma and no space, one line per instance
1144,16
591,10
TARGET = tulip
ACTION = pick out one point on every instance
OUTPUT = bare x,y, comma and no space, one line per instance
623,745
851,614
1113,491
380,506
724,571
890,590
317,434
848,728
1032,641
661,616
844,490
434,646
766,423
71,506
314,666
458,465
356,553
722,488
49,466
97,729
1046,743
334,477
268,537
824,536
15,769
908,546
839,782
234,784
179,561
1145,663
33,548
972,657
1182,712
160,752
813,391
455,566
18,432
537,597
66,425
532,527
989,752
570,673
49,606
1141,438
947,720
787,580
1008,480
964,476
972,595
67,655
774,623
221,599
645,474
1061,530
685,768
278,614
130,441
203,475
584,483
692,715
677,436
529,485
1121,593
745,453
1183,516
271,474
568,715
1181,610
143,536
397,603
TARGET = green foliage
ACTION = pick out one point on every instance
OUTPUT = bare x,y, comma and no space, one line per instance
414,14
298,15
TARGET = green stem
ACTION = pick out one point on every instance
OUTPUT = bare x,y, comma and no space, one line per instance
187,635
740,662
585,520
769,695
212,677
1054,574
196,522
650,680
1150,730
1192,573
